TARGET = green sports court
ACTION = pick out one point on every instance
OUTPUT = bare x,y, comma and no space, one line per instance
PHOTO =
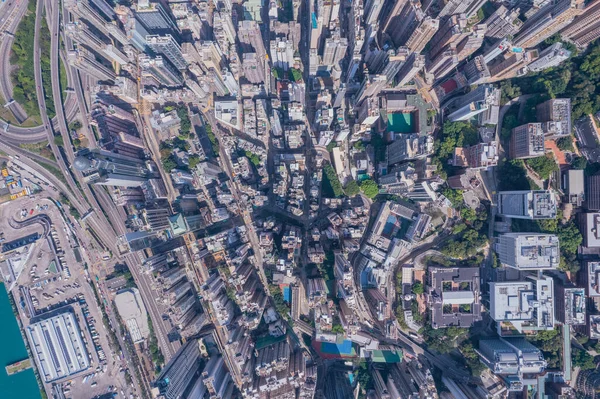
401,122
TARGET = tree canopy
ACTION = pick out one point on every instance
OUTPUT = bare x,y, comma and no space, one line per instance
544,166
369,188
352,188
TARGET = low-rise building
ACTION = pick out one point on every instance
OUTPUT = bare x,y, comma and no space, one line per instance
479,156
454,296
512,358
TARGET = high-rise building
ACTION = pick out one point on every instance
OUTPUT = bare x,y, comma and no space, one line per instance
591,278
110,169
592,193
512,357
372,11
497,49
334,50
528,251
570,305
155,18
512,65
282,53
527,141
471,43
476,71
81,34
413,65
452,30
87,62
392,14
250,38
555,117
550,57
422,34
168,47
586,27
547,21
137,33
253,69
527,305
468,7
161,70
402,21
181,371
483,101
368,112
503,23
445,61
84,10
533,205
408,147
371,86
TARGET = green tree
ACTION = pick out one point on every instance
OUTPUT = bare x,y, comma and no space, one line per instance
455,196
508,91
352,188
582,359
544,166
296,74
331,146
359,145
194,160
253,158
570,238
331,182
565,143
169,164
75,125
579,163
58,140
185,125
369,188
417,288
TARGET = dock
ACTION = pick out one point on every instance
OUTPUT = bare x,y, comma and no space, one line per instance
19,366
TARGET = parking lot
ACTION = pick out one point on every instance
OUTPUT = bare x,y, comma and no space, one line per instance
49,274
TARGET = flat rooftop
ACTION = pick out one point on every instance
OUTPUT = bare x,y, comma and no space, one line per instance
528,305
57,346
539,204
133,312
454,296
592,230
593,278
529,250
574,306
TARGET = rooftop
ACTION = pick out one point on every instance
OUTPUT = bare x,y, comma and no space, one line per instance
574,306
540,204
593,278
592,230
454,296
529,250
528,305
57,346
133,312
